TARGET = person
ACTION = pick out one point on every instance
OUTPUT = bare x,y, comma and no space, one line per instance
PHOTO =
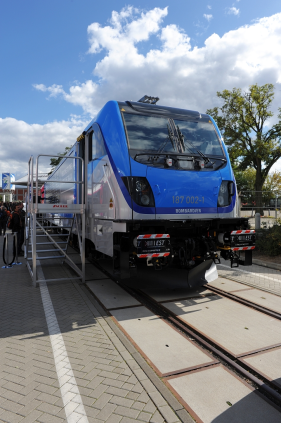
3,220
17,227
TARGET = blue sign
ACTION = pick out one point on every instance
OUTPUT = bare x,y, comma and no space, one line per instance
7,181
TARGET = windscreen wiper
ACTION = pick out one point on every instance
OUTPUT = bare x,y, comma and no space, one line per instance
174,136
167,154
181,138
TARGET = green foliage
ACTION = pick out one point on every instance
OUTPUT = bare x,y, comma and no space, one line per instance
245,181
56,160
272,186
269,240
242,119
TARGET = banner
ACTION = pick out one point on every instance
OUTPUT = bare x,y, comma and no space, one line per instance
7,181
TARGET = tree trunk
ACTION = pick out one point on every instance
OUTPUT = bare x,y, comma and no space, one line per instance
258,185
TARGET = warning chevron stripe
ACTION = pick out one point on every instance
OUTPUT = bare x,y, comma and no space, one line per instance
151,236
243,248
247,231
153,255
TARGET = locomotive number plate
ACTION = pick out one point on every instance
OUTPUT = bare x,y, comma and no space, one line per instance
149,246
243,239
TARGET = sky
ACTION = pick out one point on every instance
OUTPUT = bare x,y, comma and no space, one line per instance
61,61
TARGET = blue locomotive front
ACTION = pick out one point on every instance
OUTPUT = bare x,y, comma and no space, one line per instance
160,190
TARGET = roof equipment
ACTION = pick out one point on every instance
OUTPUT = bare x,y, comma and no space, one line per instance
148,100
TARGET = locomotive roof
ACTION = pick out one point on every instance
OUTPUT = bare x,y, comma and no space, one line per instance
153,109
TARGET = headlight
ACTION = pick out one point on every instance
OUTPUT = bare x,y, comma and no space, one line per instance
140,185
227,190
220,201
145,200
139,190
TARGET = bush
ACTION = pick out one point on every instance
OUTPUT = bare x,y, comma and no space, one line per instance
268,241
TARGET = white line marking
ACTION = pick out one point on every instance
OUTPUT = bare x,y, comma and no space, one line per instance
251,273
73,405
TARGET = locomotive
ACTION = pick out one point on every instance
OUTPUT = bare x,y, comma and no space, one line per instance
159,191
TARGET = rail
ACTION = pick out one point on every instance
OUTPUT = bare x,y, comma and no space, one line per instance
258,380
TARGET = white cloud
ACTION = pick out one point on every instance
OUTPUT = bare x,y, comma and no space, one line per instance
34,139
54,90
180,75
208,17
209,7
233,11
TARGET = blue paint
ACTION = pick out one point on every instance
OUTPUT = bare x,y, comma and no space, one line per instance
195,190
175,192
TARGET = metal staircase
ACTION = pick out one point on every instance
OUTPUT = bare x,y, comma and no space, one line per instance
41,231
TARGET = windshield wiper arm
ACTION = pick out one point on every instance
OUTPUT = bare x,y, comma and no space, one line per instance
167,154
171,135
161,148
181,138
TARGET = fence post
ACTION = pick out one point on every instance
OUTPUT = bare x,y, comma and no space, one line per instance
257,221
276,208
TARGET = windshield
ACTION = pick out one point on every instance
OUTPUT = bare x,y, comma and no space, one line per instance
150,133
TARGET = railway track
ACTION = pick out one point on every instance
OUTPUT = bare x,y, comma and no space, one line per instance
247,303
257,380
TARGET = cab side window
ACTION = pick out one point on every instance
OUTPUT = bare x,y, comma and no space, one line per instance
94,145
98,148
90,155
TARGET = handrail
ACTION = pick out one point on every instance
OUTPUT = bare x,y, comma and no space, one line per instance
110,189
63,182
33,224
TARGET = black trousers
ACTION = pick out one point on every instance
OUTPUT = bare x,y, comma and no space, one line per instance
18,241
3,226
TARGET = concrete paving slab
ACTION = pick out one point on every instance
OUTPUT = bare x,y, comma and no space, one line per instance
93,272
271,301
165,285
228,285
110,294
161,294
216,396
165,348
256,276
236,327
268,363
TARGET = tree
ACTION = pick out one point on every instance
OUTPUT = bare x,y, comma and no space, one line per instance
56,160
272,186
245,181
243,120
